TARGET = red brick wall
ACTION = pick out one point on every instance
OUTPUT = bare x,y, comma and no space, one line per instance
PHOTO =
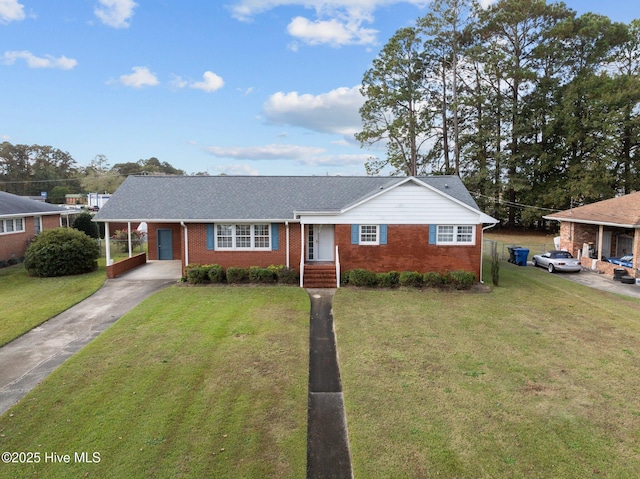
116,269
14,245
152,231
407,249
198,252
574,235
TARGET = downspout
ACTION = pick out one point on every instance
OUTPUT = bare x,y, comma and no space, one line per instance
482,249
186,243
302,248
286,224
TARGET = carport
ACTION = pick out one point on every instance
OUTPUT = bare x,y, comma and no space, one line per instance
606,229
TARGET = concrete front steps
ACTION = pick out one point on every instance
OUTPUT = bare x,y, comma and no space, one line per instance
319,276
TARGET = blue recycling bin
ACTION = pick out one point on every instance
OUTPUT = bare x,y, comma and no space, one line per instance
521,255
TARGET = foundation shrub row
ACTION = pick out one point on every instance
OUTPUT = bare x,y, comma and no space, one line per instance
214,273
413,279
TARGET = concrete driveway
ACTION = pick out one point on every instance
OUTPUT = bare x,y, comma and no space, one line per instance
30,358
603,282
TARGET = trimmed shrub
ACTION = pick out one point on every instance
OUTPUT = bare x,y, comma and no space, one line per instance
262,275
432,279
288,276
215,273
237,275
61,252
197,274
362,277
388,280
83,223
410,278
463,279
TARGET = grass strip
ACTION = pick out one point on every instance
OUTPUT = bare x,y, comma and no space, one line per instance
194,382
27,302
538,378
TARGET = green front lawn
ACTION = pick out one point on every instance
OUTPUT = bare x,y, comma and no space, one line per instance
194,382
27,302
538,378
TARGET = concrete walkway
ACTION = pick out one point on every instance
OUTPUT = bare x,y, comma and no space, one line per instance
328,454
30,358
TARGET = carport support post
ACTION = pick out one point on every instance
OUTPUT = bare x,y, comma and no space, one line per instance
600,234
107,243
129,235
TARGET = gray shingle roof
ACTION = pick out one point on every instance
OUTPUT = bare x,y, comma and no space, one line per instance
13,205
188,198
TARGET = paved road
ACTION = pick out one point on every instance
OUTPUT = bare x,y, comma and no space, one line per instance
30,358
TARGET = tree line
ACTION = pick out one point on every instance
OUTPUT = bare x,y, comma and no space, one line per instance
529,103
29,170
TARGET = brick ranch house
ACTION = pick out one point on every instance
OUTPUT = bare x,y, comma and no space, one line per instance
21,219
318,225
610,228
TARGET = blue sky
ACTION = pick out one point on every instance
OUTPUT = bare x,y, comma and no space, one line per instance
264,87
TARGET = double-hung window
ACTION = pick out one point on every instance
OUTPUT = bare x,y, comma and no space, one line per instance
455,234
13,225
369,235
243,237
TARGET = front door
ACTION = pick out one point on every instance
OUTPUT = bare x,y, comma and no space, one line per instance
320,243
165,244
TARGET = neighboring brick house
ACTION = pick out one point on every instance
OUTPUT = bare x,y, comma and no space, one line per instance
378,223
21,219
609,228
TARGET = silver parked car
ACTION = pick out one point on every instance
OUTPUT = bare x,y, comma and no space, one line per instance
557,261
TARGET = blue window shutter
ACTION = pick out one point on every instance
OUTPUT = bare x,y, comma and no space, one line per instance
433,234
355,234
210,236
275,243
383,234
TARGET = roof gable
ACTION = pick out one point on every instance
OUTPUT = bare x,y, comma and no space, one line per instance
621,211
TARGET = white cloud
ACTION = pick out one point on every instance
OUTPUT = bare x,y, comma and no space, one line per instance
332,32
246,9
179,82
140,77
301,155
337,22
237,170
211,82
335,112
115,13
336,160
11,10
48,61
266,152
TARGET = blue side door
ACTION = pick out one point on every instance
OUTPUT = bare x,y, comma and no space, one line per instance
165,244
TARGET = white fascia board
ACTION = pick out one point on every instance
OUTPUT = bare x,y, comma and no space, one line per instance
592,222
192,221
29,215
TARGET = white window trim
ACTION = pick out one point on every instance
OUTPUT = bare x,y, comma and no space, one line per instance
371,243
13,223
455,235
233,237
